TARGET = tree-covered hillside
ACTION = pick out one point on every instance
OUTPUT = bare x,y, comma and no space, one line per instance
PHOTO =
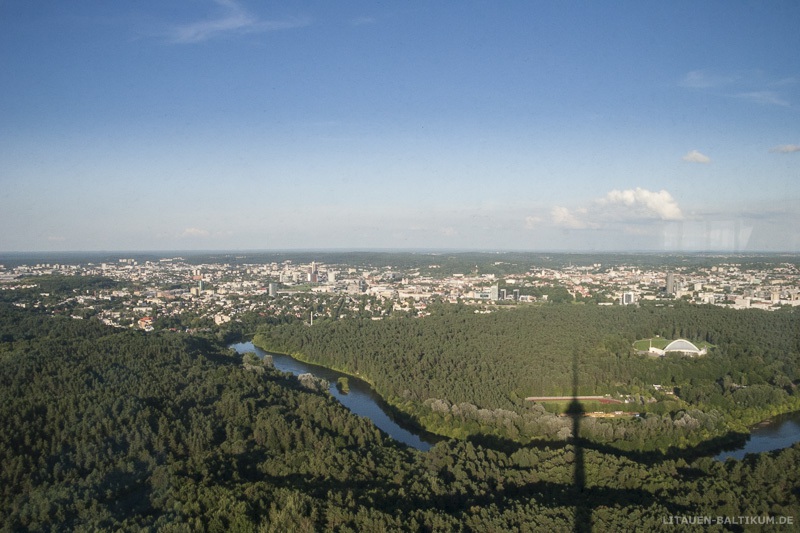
107,430
456,357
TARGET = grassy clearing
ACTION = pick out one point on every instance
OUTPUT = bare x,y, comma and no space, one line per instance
589,406
657,342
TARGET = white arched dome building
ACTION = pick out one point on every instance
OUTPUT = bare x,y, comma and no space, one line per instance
680,345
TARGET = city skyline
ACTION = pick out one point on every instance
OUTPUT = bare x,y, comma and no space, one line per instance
235,125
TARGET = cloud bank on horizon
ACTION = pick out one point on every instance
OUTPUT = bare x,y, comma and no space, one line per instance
627,206
232,124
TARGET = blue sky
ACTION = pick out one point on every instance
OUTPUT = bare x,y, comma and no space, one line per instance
202,124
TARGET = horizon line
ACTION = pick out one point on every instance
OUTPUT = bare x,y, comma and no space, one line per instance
400,250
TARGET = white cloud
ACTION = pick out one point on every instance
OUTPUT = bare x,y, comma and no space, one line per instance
753,85
563,217
628,211
784,82
532,221
233,19
643,203
703,79
361,21
694,156
785,149
764,97
195,232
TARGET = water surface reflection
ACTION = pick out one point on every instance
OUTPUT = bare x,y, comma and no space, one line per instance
361,400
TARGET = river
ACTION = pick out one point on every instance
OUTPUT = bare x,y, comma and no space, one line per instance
361,400
780,432
774,434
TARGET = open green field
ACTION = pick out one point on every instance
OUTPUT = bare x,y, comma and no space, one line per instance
590,406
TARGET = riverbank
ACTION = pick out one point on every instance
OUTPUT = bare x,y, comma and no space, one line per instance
259,343
769,435
361,398
393,408
436,426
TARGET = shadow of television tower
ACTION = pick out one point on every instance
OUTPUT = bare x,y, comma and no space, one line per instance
583,511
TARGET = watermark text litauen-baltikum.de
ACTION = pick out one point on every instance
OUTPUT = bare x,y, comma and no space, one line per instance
680,520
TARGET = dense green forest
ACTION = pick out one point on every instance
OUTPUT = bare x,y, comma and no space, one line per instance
110,429
459,373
